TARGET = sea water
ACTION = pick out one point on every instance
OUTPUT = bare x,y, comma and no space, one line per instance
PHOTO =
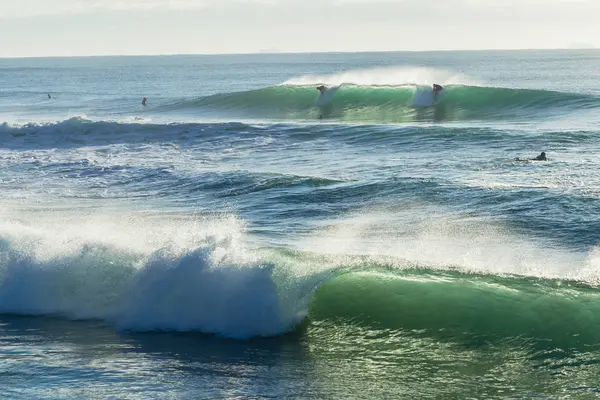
235,239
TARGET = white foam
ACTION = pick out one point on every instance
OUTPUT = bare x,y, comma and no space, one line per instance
203,290
141,272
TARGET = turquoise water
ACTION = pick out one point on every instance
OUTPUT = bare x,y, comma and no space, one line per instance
233,239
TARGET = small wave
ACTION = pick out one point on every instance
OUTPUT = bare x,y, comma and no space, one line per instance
80,131
229,184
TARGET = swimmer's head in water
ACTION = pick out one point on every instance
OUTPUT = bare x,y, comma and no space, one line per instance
321,88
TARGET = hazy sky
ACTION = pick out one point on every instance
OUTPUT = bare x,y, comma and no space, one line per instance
94,27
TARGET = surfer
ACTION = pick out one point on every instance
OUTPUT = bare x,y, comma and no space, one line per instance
541,157
322,89
49,96
324,100
144,100
436,89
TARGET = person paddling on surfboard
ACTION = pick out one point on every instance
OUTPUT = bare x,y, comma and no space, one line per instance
436,89
541,157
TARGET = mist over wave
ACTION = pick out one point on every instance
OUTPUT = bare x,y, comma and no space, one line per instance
386,76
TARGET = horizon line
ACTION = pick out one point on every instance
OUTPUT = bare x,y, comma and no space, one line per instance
284,52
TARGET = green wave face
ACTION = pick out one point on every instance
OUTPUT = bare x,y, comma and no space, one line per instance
393,104
462,307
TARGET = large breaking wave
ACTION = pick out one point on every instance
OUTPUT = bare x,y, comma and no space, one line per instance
180,274
390,104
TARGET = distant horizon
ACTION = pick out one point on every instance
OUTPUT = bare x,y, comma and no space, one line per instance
283,52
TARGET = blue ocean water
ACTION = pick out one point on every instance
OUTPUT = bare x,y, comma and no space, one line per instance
238,238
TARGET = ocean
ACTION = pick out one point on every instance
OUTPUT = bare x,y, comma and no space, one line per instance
239,237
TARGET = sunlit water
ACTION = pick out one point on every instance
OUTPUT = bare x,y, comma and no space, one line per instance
232,239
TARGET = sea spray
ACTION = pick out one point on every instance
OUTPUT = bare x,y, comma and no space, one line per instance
200,277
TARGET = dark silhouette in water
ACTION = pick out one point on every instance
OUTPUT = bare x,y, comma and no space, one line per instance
49,96
144,100
436,89
541,157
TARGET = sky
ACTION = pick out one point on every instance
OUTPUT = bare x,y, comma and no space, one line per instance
117,27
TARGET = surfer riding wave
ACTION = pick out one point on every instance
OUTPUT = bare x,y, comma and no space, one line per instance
436,89
325,98
326,94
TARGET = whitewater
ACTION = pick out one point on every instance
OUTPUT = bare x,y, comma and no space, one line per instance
237,238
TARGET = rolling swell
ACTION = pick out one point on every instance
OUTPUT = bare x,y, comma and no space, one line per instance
390,104
78,132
